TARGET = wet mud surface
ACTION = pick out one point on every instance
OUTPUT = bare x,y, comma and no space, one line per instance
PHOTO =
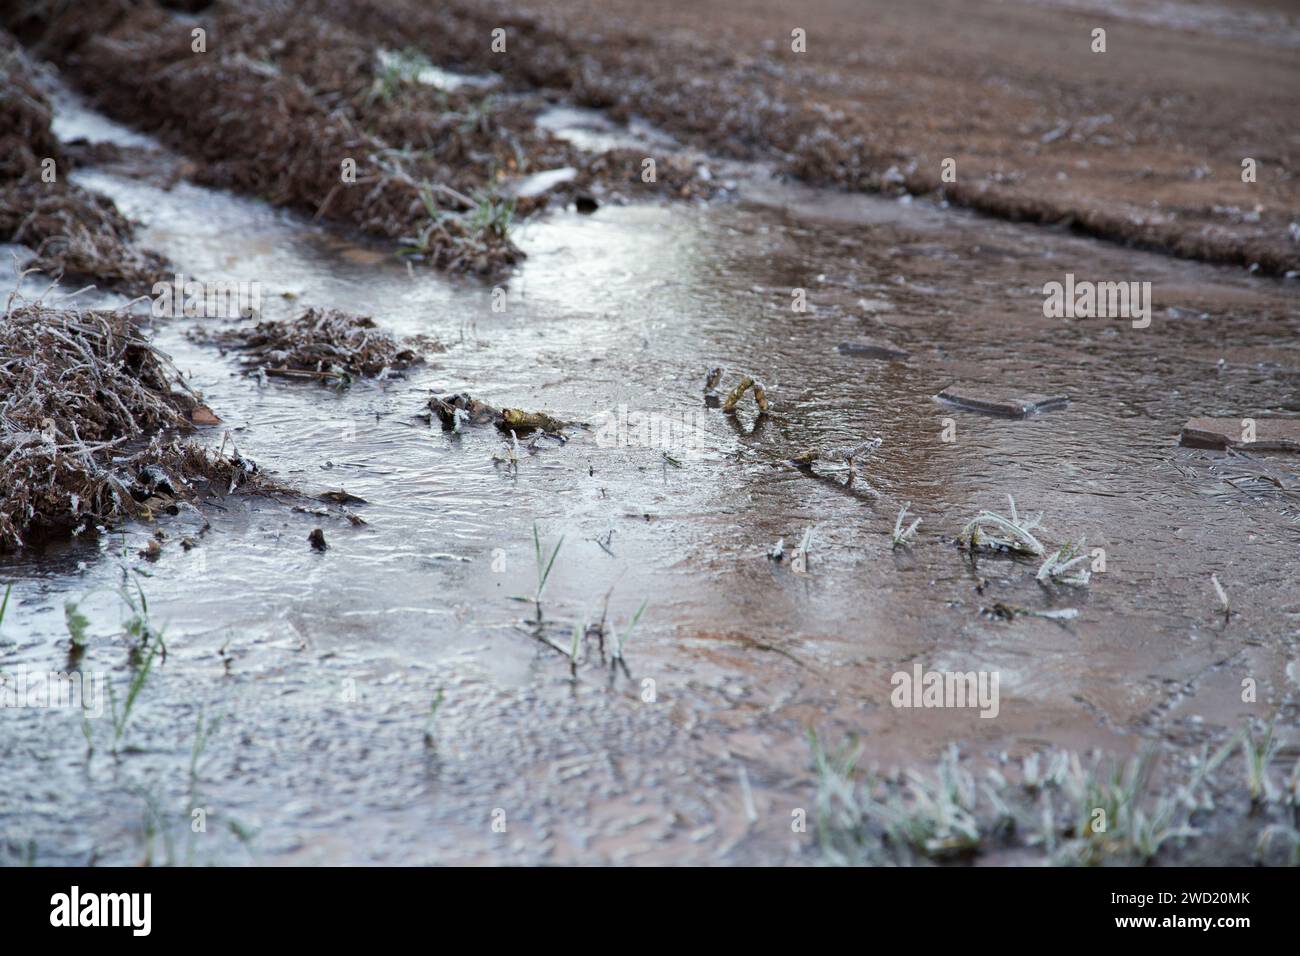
1142,144
322,667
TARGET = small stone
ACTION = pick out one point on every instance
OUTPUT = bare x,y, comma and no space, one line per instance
340,497
977,398
1271,434
202,415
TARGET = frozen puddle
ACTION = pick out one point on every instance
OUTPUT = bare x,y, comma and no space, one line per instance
323,668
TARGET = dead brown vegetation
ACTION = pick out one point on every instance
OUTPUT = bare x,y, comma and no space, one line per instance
283,96
461,409
324,344
92,425
25,115
77,233
73,232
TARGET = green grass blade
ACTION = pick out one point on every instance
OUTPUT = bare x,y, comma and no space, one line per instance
550,564
77,623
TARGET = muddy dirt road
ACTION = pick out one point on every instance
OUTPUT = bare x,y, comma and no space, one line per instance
387,700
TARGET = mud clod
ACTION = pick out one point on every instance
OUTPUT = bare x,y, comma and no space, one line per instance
848,454
457,410
462,409
516,420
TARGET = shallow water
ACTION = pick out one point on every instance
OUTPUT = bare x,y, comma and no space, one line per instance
322,667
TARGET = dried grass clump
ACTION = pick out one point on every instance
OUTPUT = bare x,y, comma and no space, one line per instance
25,115
277,119
325,344
675,178
77,233
73,232
91,417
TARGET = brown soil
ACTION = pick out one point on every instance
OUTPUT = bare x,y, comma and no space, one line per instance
1142,144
